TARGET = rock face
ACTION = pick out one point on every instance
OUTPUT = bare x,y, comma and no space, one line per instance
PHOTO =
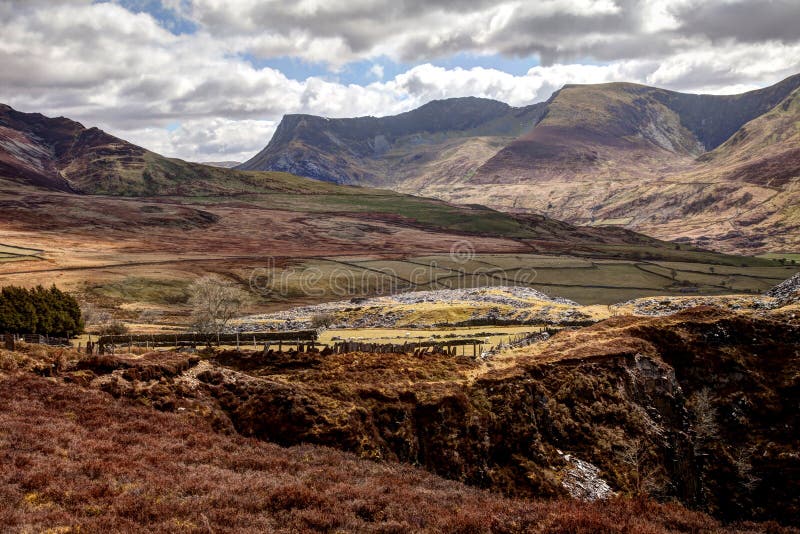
700,406
788,291
582,480
718,170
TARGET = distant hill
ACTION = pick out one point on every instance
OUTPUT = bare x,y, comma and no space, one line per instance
223,164
633,127
63,155
617,153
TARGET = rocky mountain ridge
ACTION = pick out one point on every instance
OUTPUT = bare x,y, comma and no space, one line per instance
618,153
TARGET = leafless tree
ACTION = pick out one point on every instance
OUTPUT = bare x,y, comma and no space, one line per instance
322,320
744,465
101,321
705,415
215,301
635,455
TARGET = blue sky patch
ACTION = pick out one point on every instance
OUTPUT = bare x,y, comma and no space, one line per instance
166,17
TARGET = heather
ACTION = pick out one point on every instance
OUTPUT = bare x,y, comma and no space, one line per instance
79,460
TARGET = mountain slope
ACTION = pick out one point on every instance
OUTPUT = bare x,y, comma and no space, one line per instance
753,184
63,155
619,153
595,132
370,150
633,129
742,196
765,151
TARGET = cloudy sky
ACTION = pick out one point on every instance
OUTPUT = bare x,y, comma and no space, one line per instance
210,79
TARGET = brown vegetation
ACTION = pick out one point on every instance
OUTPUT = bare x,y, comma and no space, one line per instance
76,460
697,407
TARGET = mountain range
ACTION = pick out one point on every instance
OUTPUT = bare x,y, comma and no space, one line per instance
58,155
717,170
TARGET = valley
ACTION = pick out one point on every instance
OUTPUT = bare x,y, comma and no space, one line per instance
494,358
397,267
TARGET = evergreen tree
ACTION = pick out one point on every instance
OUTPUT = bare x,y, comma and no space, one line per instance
39,311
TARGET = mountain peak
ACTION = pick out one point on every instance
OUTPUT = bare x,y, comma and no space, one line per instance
327,149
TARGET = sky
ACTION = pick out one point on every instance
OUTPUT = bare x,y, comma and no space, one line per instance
209,80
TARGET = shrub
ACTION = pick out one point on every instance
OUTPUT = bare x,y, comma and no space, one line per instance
322,320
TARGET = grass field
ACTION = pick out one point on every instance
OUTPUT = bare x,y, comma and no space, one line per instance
145,290
488,336
580,279
10,253
782,256
302,282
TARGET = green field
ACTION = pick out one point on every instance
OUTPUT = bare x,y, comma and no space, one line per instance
143,289
583,280
789,257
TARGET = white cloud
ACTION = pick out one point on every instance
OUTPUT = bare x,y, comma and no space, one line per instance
377,71
208,140
106,66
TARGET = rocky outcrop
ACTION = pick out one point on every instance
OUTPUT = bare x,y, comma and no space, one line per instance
787,292
487,305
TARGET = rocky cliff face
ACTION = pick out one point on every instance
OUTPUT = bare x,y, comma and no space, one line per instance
700,406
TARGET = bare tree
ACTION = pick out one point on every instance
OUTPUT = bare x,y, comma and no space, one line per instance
705,415
94,316
215,301
101,321
742,459
635,455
